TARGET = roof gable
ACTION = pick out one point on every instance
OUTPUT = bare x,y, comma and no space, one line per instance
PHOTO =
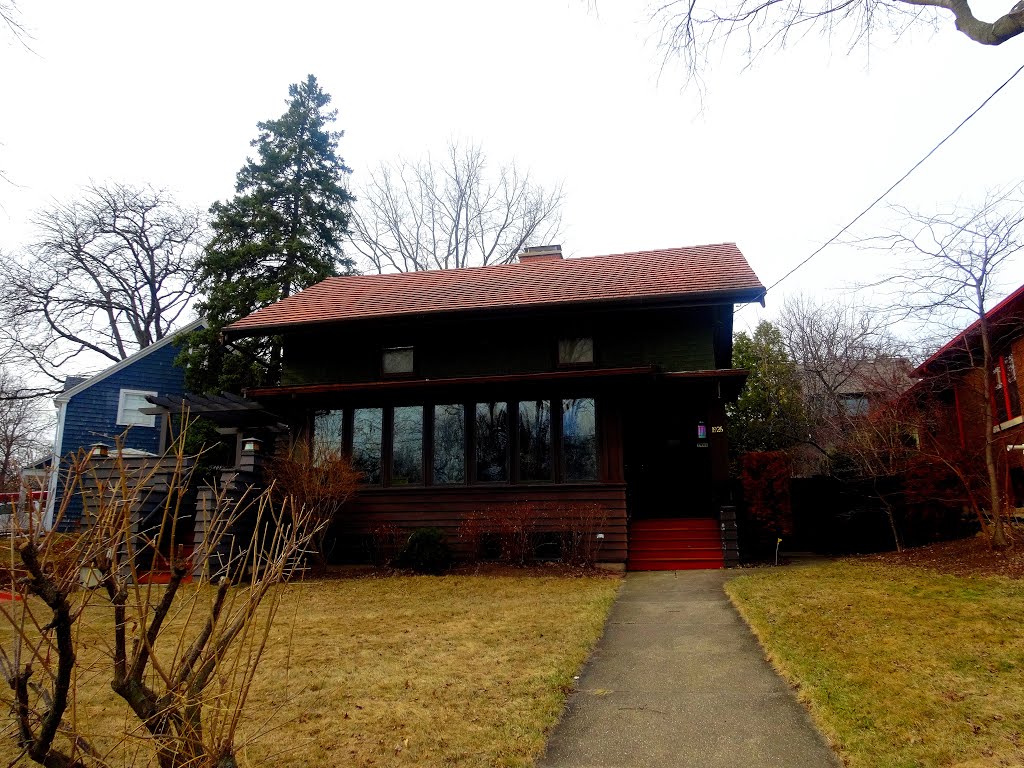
1007,315
671,274
170,338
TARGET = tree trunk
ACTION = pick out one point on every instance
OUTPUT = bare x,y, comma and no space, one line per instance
995,496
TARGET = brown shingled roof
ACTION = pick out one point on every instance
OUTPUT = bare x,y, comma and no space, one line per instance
671,274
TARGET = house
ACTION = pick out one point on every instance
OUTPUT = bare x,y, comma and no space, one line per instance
953,381
551,384
96,410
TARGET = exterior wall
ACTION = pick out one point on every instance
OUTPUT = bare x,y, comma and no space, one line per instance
673,340
91,415
960,420
447,508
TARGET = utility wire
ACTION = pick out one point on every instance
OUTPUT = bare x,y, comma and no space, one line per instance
899,181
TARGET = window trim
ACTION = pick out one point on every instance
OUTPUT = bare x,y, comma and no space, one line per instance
120,421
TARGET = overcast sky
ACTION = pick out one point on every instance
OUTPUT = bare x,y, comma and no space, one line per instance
775,158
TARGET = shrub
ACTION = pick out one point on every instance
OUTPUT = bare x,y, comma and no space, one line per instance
386,542
580,545
426,551
314,478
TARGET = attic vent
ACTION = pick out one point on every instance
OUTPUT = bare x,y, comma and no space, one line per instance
540,252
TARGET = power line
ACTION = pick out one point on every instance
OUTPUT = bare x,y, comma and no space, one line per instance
899,181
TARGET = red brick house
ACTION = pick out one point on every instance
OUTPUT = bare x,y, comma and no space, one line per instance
545,384
953,379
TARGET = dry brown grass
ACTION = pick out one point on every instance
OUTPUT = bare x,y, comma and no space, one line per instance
900,667
399,671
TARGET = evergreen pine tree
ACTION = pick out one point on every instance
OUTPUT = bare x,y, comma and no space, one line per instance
281,232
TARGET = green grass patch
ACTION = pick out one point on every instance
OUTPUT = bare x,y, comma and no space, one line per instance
900,667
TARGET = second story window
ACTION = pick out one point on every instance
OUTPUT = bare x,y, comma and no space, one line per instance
576,351
397,361
1007,395
130,403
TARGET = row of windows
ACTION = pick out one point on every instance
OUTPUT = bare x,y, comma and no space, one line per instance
492,442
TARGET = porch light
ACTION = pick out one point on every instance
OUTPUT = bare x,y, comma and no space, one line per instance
99,451
251,445
702,431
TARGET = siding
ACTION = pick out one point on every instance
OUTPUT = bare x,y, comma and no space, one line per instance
447,508
674,340
91,415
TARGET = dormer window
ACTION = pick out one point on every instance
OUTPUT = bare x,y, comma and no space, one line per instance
397,361
576,351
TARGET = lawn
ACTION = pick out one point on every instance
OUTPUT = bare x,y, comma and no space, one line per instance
899,666
410,671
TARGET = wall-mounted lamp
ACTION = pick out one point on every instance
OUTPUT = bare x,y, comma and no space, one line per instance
1015,448
99,451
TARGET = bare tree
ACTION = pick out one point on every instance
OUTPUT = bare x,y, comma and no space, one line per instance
10,15
846,355
413,215
24,431
951,262
689,30
109,273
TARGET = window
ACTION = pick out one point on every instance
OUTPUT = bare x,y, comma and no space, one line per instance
1007,395
535,440
449,444
854,405
407,446
491,442
367,442
129,409
577,351
327,435
579,439
397,361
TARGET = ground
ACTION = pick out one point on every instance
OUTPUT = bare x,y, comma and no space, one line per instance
966,557
899,665
462,670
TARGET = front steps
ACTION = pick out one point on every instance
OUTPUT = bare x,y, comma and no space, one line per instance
675,544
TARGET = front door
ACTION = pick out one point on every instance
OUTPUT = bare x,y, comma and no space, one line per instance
667,463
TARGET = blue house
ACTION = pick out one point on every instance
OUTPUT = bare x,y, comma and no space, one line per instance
99,409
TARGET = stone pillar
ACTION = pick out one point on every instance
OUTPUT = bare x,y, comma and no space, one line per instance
730,536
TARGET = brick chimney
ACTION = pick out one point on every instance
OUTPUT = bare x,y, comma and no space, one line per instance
540,253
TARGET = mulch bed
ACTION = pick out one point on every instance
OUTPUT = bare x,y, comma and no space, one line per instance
965,557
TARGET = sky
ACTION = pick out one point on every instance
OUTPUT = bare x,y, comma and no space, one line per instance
776,156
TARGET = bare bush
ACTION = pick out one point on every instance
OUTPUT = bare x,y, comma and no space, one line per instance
316,478
181,656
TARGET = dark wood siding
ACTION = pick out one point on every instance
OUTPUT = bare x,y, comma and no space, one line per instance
671,339
446,508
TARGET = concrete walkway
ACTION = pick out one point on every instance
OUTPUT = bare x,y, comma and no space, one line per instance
678,680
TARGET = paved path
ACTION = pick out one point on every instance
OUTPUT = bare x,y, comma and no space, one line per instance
678,680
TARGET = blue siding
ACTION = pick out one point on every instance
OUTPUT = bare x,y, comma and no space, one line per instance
91,415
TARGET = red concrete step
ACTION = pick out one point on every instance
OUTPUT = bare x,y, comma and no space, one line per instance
676,524
680,543
675,536
678,564
675,546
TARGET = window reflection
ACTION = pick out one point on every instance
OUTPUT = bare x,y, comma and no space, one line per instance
367,434
449,444
491,442
535,440
407,446
579,439
327,427
576,351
